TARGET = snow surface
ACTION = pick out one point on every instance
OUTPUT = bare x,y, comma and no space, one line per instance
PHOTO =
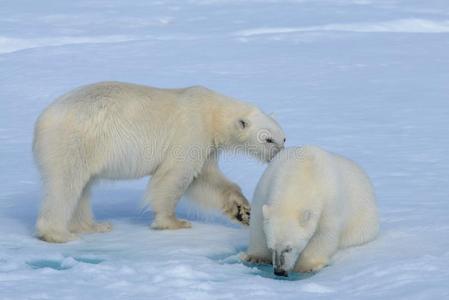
367,79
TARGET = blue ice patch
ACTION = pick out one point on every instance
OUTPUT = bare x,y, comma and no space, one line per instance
62,264
48,263
262,270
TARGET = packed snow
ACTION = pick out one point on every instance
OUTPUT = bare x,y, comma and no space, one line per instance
366,79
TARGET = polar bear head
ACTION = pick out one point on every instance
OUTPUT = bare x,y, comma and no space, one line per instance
258,134
287,233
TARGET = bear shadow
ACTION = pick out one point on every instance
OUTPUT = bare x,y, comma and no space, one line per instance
111,203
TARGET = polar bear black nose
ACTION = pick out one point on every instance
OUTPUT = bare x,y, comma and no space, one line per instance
285,140
280,272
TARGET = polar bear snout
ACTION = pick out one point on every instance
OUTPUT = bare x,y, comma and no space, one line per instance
283,261
273,150
278,264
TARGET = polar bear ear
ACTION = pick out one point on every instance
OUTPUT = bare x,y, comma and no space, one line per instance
266,211
242,123
305,217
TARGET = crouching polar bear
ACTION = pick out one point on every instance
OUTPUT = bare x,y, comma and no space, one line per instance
115,130
308,204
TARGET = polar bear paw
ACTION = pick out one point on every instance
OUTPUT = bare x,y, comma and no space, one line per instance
254,259
237,208
101,227
91,227
53,232
169,223
308,266
57,237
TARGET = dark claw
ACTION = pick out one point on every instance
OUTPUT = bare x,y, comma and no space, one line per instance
241,214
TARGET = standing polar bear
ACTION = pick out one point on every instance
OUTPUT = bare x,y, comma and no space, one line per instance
114,130
308,204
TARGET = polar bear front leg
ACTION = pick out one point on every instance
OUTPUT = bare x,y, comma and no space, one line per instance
258,251
212,189
165,189
318,252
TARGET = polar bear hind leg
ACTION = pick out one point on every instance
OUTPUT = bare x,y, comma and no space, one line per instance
363,228
83,219
63,189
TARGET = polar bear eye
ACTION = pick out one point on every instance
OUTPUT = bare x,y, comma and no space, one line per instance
243,124
288,249
269,141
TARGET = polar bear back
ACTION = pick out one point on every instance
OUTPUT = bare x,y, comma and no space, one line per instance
118,126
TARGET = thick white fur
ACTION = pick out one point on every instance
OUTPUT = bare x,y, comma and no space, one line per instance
115,130
308,204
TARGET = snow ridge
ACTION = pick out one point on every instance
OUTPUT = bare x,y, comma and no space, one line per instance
394,26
